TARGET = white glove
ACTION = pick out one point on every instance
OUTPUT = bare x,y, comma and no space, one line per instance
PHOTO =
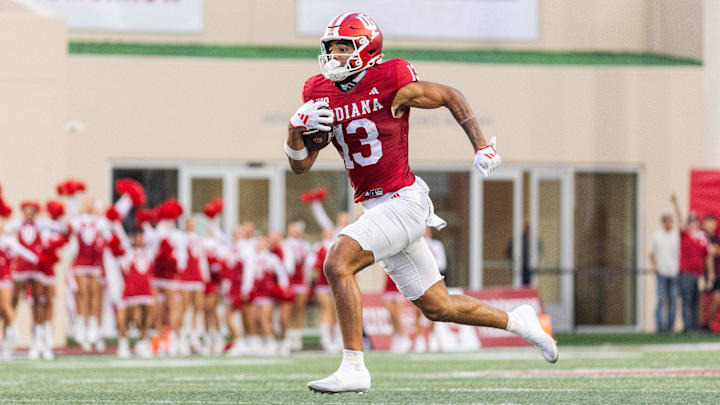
487,159
313,117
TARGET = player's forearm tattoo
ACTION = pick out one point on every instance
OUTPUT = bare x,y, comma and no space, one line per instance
464,116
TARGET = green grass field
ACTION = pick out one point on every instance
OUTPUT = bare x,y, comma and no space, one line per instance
618,374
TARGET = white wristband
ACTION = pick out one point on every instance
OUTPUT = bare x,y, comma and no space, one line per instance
293,154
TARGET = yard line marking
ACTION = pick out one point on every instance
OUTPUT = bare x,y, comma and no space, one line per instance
162,363
590,373
110,401
527,355
187,378
507,389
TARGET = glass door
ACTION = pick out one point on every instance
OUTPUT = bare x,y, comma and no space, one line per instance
500,229
250,193
549,238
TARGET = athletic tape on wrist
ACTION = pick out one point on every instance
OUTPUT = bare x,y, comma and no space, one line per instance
293,154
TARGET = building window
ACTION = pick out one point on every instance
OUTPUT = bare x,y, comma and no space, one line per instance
159,184
605,248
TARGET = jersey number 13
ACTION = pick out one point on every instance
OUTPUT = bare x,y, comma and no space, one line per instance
371,139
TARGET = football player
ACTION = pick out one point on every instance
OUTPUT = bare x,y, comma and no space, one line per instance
362,105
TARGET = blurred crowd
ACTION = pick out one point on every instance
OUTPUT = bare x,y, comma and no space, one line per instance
685,258
173,290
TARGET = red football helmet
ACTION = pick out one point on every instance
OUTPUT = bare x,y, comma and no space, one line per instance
362,32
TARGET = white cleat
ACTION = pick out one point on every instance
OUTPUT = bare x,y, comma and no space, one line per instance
527,325
284,347
218,345
123,350
400,344
47,353
237,349
143,350
420,344
343,380
34,352
5,351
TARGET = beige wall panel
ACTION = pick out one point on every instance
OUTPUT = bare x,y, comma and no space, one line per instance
32,102
31,47
676,27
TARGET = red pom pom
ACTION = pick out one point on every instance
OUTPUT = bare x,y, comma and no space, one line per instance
308,197
169,209
70,187
115,246
213,208
133,189
321,193
112,214
145,215
55,209
79,185
29,203
5,210
62,189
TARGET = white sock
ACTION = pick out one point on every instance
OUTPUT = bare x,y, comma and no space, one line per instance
39,332
325,338
48,332
93,329
513,325
353,359
9,333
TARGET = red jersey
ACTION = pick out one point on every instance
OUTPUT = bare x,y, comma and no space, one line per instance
300,249
693,251
29,237
137,271
317,260
91,234
371,141
234,273
5,269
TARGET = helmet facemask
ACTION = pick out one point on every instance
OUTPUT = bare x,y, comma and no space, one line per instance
331,67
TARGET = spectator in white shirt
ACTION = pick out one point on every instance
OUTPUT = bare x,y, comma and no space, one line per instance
664,257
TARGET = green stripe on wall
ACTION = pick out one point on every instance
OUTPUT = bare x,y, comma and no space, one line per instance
435,55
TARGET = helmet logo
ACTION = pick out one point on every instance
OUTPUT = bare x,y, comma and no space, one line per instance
369,24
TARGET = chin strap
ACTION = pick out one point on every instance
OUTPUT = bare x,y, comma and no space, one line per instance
351,82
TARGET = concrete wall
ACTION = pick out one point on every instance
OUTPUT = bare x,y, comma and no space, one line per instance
665,26
32,111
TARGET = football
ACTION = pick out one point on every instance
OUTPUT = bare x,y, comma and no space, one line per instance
316,140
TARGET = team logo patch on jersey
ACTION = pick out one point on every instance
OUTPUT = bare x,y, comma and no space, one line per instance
376,192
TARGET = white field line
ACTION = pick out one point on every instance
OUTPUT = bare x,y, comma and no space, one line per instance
571,352
10,382
584,373
109,401
163,363
207,379
525,355
506,389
